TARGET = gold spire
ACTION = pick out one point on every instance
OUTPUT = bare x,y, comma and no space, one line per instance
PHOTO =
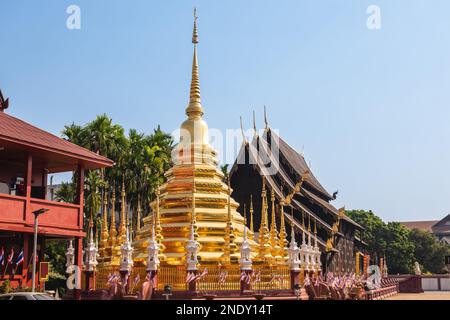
193,214
264,236
112,228
104,234
123,223
157,222
273,229
138,218
251,218
230,237
195,109
283,235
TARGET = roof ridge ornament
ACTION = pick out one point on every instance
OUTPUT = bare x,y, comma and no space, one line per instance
254,124
4,104
265,118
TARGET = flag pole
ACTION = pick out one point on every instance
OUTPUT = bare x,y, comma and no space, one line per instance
6,268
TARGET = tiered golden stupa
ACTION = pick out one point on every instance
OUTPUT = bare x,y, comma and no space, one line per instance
195,194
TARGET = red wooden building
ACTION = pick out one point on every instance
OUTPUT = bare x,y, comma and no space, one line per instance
27,156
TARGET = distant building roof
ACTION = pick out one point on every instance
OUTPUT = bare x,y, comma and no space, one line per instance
421,225
437,227
442,227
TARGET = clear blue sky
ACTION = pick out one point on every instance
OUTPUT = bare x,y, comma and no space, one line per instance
371,108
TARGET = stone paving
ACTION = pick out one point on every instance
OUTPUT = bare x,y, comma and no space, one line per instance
428,295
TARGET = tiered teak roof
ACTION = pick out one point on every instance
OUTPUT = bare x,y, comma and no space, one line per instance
292,181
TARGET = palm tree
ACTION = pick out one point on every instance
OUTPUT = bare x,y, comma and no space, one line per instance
92,194
66,193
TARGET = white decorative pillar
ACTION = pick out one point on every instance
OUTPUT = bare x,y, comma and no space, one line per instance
153,251
304,255
294,260
126,255
91,254
192,248
246,258
91,262
317,254
126,260
310,252
245,261
70,258
153,259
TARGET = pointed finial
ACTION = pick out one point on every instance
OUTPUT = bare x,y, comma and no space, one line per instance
254,124
3,103
195,109
265,118
242,132
195,32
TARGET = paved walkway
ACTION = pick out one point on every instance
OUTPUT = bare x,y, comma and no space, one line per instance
428,295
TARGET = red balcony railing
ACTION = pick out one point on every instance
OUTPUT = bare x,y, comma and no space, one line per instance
62,218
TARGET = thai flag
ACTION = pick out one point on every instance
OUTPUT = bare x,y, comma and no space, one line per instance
222,277
258,277
190,277
204,273
2,257
19,258
11,256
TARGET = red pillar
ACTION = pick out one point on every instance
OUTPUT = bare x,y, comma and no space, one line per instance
27,252
89,284
28,178
80,194
295,278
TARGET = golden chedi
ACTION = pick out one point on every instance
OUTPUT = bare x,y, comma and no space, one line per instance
194,193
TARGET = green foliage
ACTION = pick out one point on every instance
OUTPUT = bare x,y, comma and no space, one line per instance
5,287
66,193
55,253
401,246
399,250
226,172
428,251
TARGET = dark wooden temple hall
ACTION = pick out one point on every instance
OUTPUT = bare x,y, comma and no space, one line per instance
286,173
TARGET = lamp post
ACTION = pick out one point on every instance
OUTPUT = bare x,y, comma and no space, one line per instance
36,215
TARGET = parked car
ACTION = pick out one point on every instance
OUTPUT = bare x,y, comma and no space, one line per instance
26,296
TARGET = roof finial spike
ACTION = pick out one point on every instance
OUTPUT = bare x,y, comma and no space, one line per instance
3,103
254,124
265,118
243,134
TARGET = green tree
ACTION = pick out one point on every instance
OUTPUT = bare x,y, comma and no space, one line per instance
399,250
389,240
429,252
66,193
